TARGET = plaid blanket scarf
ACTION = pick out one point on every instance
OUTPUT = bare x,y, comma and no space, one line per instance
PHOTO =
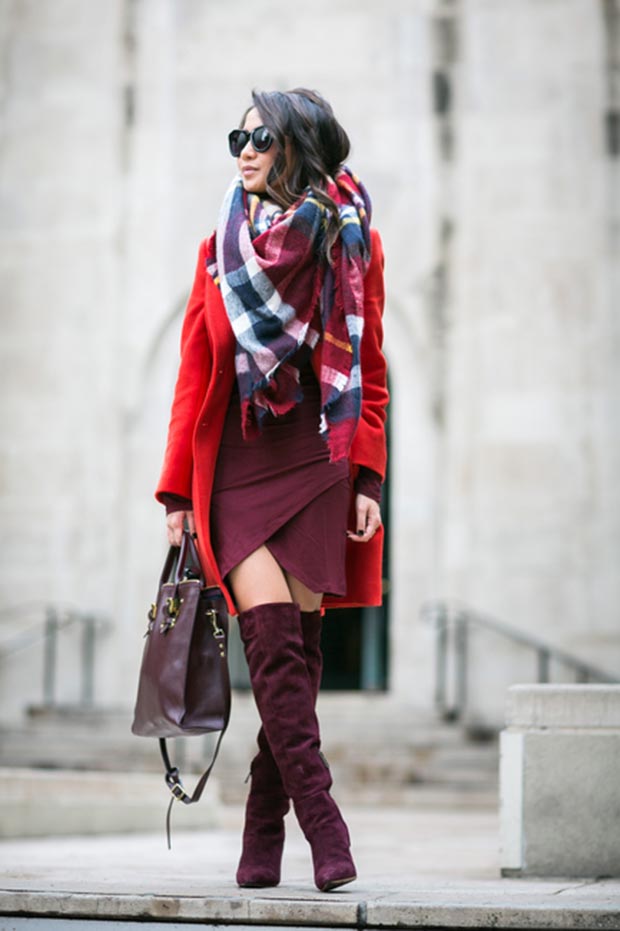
281,298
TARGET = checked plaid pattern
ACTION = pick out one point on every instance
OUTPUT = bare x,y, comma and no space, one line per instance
281,298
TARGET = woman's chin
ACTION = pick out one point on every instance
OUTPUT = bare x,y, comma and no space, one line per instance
253,186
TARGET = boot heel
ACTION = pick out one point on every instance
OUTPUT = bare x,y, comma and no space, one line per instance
336,883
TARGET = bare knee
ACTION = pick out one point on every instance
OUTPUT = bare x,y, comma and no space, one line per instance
259,579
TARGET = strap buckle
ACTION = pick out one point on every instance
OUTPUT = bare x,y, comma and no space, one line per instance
174,784
179,792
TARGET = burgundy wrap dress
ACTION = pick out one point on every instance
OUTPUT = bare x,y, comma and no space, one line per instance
280,489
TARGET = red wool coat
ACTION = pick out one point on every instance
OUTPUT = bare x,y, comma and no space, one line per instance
203,388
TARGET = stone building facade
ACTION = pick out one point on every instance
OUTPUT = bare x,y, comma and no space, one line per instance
488,134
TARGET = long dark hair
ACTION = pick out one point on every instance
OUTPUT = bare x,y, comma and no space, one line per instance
312,145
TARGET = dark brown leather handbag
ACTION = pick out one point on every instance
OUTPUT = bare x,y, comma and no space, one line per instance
184,684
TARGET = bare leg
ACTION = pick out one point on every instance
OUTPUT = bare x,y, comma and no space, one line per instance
307,600
259,579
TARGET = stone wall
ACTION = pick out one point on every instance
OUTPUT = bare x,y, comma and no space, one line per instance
479,129
531,447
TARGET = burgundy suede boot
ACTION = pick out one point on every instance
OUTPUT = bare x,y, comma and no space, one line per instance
267,802
274,648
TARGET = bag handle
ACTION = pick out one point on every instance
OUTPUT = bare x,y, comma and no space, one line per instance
189,553
169,567
177,561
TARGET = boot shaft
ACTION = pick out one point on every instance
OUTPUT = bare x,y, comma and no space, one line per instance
272,635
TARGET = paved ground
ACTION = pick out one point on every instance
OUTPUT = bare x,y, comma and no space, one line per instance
419,866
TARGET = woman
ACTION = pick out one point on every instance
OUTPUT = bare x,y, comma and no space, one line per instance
279,406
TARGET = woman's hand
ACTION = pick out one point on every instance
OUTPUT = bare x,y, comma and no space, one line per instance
368,519
174,526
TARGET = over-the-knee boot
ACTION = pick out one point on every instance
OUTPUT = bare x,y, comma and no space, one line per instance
268,802
274,648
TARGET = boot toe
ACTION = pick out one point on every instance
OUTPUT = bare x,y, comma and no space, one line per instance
337,871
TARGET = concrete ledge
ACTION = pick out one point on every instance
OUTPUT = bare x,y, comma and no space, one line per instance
545,706
499,914
499,906
559,785
224,910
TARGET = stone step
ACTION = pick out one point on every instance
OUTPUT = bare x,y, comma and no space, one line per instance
372,746
43,803
47,803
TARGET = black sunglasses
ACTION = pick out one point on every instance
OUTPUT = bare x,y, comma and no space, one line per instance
260,137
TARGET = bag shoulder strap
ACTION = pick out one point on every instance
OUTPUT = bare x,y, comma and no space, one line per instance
174,783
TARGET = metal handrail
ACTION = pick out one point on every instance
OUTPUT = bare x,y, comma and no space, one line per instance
452,622
46,631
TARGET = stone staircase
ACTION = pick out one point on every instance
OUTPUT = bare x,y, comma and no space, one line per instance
378,751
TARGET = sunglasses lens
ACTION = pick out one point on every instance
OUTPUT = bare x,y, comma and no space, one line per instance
261,138
237,140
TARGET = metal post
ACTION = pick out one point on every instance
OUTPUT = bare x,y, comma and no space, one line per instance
441,659
49,656
88,659
460,641
544,660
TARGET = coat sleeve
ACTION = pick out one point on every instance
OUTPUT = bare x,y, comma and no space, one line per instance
191,385
369,444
